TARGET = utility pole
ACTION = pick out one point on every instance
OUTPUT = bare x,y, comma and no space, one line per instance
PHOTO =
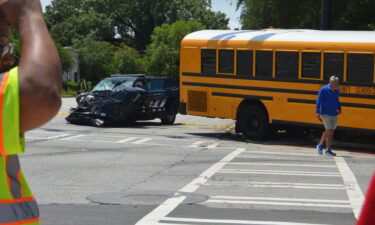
326,15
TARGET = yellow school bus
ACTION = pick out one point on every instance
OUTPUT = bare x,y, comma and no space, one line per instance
269,77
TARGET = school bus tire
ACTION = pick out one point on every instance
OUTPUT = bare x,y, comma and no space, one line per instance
253,122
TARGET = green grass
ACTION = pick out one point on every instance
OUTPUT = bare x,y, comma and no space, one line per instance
68,93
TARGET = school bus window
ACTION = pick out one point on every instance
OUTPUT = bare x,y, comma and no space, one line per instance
209,61
226,61
361,68
311,62
264,60
333,65
245,62
287,65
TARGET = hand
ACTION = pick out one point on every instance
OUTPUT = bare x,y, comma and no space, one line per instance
319,117
14,10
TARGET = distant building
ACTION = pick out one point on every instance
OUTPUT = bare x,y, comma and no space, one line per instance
73,74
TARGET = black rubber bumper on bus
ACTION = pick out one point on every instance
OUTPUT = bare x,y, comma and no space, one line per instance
182,108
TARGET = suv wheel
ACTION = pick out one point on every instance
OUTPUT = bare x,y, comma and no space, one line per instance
170,115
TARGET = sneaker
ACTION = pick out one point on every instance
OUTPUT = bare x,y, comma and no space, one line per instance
320,149
330,152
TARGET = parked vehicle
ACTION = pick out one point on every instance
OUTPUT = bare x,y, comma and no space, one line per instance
124,99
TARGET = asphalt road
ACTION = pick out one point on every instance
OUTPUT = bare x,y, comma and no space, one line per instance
189,173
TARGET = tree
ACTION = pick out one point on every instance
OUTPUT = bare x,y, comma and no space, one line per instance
164,50
126,60
95,58
70,20
346,14
134,20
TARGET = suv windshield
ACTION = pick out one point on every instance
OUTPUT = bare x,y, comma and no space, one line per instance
111,84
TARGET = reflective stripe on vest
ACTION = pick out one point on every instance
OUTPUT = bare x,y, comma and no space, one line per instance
14,175
14,212
17,205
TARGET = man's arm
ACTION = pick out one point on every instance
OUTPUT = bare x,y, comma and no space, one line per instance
319,103
39,68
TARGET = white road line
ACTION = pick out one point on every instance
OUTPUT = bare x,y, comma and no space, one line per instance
170,204
126,140
281,171
73,137
284,174
308,200
302,184
56,136
48,138
354,192
276,186
315,159
282,164
225,221
282,153
280,185
279,203
141,141
214,145
43,132
196,144
289,172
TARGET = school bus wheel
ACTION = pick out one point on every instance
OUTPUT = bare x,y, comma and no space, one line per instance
253,122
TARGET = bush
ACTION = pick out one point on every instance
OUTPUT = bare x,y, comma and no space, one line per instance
70,88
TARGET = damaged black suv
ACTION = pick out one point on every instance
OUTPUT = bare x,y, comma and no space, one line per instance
124,99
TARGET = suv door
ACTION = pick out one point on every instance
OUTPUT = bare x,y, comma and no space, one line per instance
157,95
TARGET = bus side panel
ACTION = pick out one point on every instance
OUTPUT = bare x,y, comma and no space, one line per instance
357,117
224,107
305,113
190,60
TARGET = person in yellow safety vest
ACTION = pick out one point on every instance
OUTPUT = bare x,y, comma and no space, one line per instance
29,97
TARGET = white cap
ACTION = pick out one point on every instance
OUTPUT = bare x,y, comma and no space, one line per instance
334,78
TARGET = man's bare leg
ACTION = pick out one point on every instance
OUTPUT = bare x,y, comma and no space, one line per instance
329,137
323,138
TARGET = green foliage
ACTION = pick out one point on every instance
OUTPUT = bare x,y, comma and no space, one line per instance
126,60
346,14
134,20
164,51
70,88
95,58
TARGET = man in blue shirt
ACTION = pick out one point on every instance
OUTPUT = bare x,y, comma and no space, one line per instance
328,107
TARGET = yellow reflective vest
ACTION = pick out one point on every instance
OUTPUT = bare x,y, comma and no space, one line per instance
17,204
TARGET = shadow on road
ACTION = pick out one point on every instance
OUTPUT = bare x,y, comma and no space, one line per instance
302,138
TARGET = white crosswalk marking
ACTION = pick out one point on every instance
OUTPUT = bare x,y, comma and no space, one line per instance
56,136
281,164
280,172
127,140
280,185
354,191
226,221
281,153
170,204
142,140
282,157
73,137
281,199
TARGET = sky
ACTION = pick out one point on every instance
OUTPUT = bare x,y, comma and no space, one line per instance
226,6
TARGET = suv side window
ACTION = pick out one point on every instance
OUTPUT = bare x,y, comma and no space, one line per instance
156,84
